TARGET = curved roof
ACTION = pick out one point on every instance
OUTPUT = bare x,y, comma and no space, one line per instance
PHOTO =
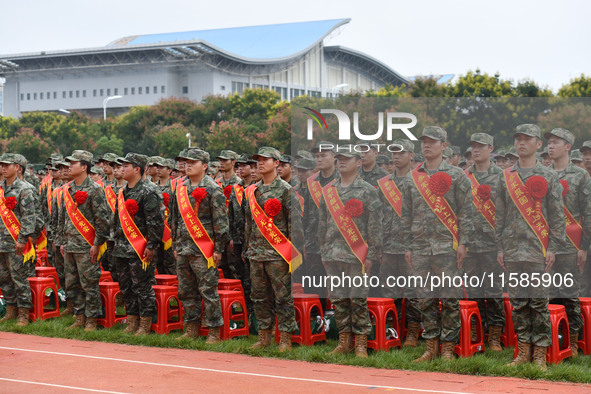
248,43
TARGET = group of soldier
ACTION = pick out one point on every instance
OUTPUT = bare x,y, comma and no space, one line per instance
270,219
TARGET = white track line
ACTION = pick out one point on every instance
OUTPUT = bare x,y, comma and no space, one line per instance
61,386
234,372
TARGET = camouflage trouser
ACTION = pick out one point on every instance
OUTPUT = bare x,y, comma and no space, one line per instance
489,298
270,293
394,265
196,283
531,317
445,323
314,269
136,286
82,284
350,302
568,295
13,280
586,277
165,261
60,267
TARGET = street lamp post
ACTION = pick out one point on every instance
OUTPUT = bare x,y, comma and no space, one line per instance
105,101
188,135
65,111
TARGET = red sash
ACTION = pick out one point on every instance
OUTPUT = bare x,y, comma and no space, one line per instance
219,181
101,183
574,231
487,209
345,223
194,225
166,236
527,207
78,220
272,234
49,196
111,197
14,228
301,200
440,208
392,193
41,242
315,189
132,233
239,191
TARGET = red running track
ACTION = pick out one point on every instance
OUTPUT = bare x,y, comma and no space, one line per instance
30,364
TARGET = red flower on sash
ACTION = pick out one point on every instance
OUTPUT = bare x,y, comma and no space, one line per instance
565,187
80,197
166,198
132,207
439,184
354,208
227,191
537,187
484,194
10,202
272,208
198,194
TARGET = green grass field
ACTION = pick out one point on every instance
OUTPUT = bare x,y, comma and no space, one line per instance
488,363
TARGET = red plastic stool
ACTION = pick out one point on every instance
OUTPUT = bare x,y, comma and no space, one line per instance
105,276
556,353
109,291
221,273
164,294
467,347
329,304
379,310
38,288
42,258
167,280
229,299
230,284
508,337
585,343
47,272
297,288
305,305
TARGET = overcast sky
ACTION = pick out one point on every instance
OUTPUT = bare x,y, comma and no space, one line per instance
547,41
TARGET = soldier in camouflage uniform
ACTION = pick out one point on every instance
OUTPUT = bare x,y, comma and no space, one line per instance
511,157
456,155
520,250
351,312
369,171
198,279
14,271
382,162
546,159
482,255
305,169
572,257
577,159
107,161
58,241
586,274
393,249
269,272
82,269
431,248
500,160
97,174
165,260
285,171
135,275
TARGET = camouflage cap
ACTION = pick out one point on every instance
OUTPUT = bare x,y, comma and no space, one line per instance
325,145
215,164
482,138
382,159
561,133
501,153
544,152
304,154
108,157
407,145
243,159
448,153
576,155
285,159
456,149
154,160
169,163
9,158
267,151
586,146
181,153
306,164
512,152
54,157
227,154
435,133
354,154
96,170
80,155
468,152
251,161
136,159
528,129
197,154
62,164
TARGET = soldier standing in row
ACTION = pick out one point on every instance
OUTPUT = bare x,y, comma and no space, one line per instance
526,243
200,232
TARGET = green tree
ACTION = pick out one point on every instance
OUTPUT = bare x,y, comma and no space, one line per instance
29,144
170,140
109,144
233,134
577,87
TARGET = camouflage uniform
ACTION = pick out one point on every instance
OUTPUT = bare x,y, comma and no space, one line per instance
431,245
350,303
523,252
165,261
196,281
13,270
372,177
482,254
135,283
578,202
269,273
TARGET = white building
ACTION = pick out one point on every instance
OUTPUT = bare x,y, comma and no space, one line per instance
289,58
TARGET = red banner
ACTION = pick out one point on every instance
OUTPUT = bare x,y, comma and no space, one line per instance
392,193
574,231
132,233
111,197
315,189
78,220
239,191
14,228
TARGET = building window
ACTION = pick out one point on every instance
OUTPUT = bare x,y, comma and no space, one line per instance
34,96
116,91
84,93
185,89
222,87
22,96
108,92
28,96
41,96
132,90
102,92
55,95
125,91
139,90
147,90
77,93
93,92
71,93
155,90
48,95
162,89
